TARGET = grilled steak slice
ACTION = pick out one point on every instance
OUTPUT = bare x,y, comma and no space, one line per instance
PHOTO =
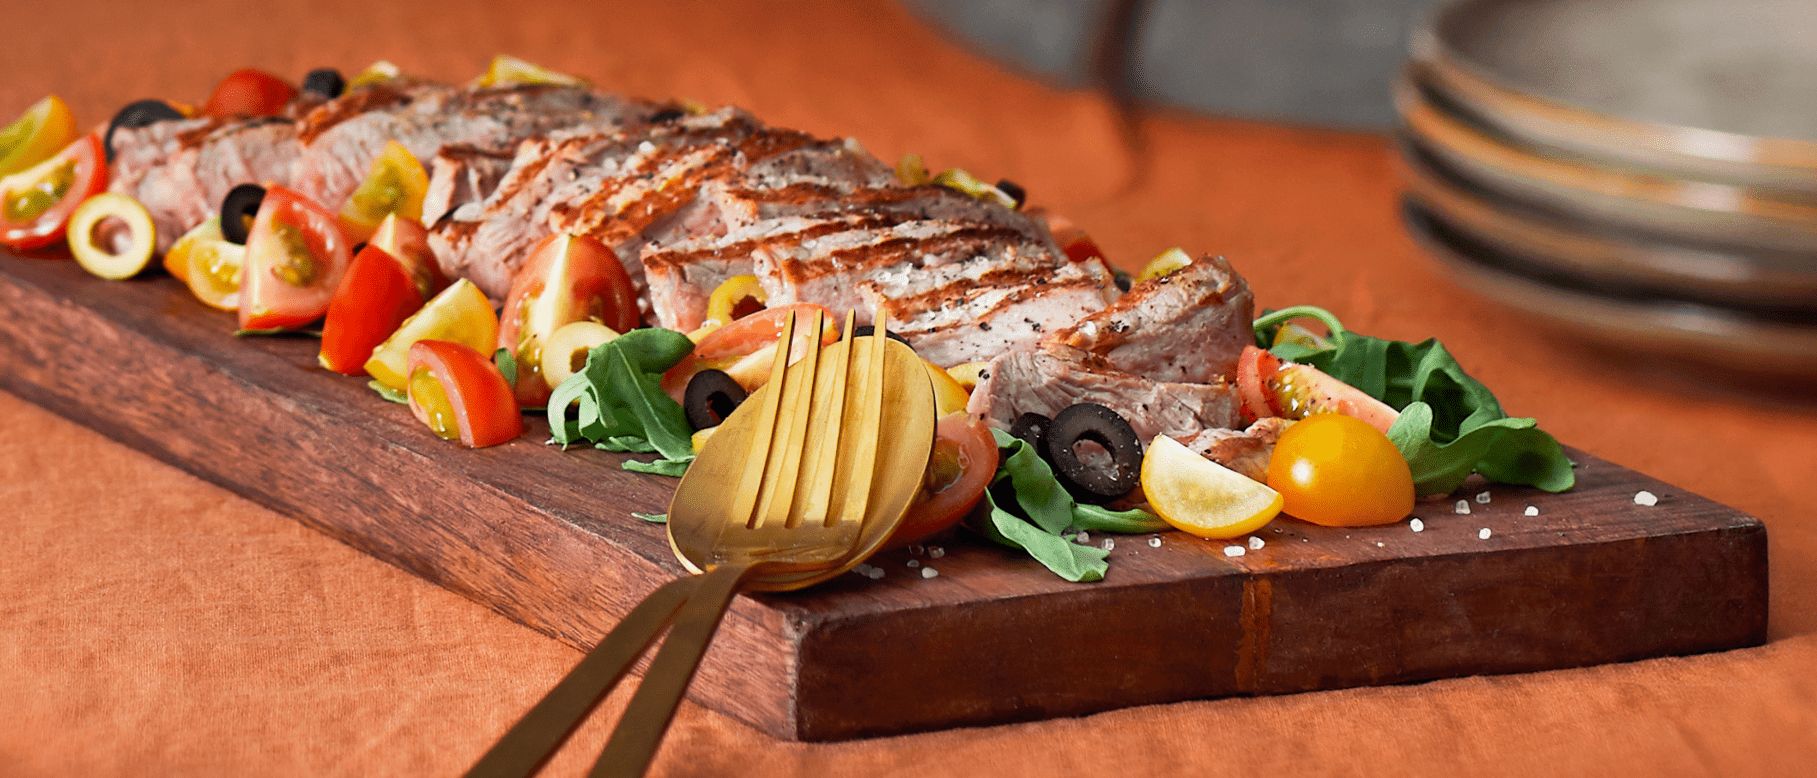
1245,451
459,175
1046,381
342,138
180,170
1011,306
1187,326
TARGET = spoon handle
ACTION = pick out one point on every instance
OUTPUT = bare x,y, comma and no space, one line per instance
530,742
634,741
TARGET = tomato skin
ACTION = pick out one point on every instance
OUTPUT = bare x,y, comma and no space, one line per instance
481,400
1338,471
744,348
38,134
407,241
249,92
79,171
568,278
963,463
1268,386
375,296
295,257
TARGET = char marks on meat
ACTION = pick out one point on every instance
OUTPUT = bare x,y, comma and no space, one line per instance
462,174
180,170
1189,325
342,138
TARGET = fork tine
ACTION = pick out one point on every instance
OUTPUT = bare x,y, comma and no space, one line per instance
757,457
797,400
819,470
868,426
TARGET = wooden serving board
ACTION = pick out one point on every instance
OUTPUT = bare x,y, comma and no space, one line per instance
545,537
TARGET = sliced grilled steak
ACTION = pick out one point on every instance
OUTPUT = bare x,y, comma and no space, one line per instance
342,138
1046,381
459,175
180,170
1010,307
1189,325
1245,451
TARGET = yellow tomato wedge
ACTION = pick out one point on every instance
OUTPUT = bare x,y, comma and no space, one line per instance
42,131
377,72
208,264
949,396
968,375
507,70
396,183
1169,261
1202,497
461,313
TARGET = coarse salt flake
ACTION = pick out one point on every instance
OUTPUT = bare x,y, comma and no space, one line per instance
936,552
1235,551
1154,542
1644,497
1109,543
1255,543
928,572
1082,538
875,573
914,563
1483,534
1482,498
916,550
1463,507
1416,525
1531,510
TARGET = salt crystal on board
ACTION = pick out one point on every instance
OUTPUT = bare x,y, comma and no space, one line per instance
1483,534
1463,507
1255,543
1644,497
1235,551
1416,525
1531,511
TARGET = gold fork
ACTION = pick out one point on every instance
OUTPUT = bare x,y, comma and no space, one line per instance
798,485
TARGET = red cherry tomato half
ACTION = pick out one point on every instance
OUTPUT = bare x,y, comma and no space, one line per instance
249,92
35,203
375,296
1268,386
459,393
744,348
963,462
295,257
568,278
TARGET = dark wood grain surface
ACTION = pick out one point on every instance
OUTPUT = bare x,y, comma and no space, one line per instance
545,537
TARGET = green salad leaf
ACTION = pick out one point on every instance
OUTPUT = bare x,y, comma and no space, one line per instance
622,406
1028,509
1451,424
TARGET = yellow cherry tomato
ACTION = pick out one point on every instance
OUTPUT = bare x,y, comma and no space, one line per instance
1338,471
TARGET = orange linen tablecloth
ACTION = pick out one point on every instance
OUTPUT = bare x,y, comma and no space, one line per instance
151,624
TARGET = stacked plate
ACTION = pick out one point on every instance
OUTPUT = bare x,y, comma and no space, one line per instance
1642,171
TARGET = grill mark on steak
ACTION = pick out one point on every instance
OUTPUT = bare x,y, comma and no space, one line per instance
373,97
891,251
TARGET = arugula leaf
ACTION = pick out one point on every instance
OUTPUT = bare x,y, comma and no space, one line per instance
390,394
622,406
1040,513
1451,425
507,364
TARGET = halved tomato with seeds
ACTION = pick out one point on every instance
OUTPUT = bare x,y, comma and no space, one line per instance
1268,386
35,203
295,256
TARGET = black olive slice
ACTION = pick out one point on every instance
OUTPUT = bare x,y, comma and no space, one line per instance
1124,280
241,202
326,82
1014,190
711,396
1102,478
1032,429
667,115
868,330
135,115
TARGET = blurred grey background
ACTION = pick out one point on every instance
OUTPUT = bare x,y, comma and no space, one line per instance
1318,62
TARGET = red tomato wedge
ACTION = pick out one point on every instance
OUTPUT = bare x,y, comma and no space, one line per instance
745,348
1268,386
249,92
963,462
459,393
35,203
295,257
568,278
375,296
407,241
